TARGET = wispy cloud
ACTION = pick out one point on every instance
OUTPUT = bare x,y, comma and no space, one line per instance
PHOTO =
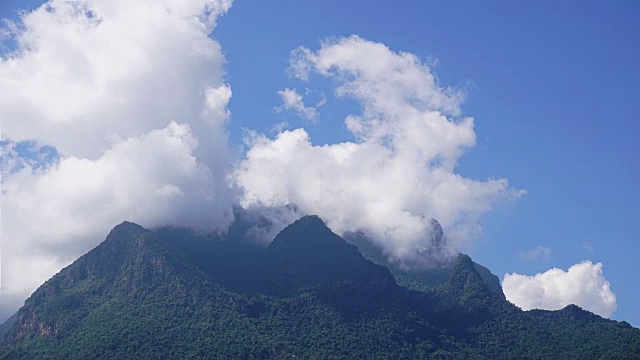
292,100
279,127
586,246
537,253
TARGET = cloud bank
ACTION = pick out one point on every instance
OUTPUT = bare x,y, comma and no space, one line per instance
397,174
132,97
583,284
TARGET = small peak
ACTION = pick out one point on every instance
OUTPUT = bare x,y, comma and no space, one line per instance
465,279
307,230
307,253
128,225
574,310
125,226
311,220
570,313
437,229
464,262
306,225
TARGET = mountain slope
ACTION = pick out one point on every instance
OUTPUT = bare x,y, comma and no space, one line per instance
172,293
4,327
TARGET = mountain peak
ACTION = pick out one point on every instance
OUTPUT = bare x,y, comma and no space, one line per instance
310,233
121,237
575,312
307,253
312,219
124,231
126,226
436,230
307,223
465,281
464,262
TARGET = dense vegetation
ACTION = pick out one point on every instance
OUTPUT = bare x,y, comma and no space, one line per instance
174,294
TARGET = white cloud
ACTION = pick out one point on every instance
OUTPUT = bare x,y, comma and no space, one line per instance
397,175
538,252
292,100
583,284
132,97
87,69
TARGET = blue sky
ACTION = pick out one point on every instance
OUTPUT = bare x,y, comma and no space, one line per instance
552,88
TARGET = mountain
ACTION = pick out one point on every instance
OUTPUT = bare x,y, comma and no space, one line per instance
173,293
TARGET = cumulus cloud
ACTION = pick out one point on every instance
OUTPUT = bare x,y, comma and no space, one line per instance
131,98
583,284
85,70
397,174
537,253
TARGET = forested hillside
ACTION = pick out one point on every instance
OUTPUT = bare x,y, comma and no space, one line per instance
171,293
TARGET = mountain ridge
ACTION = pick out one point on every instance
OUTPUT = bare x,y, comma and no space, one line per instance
174,293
